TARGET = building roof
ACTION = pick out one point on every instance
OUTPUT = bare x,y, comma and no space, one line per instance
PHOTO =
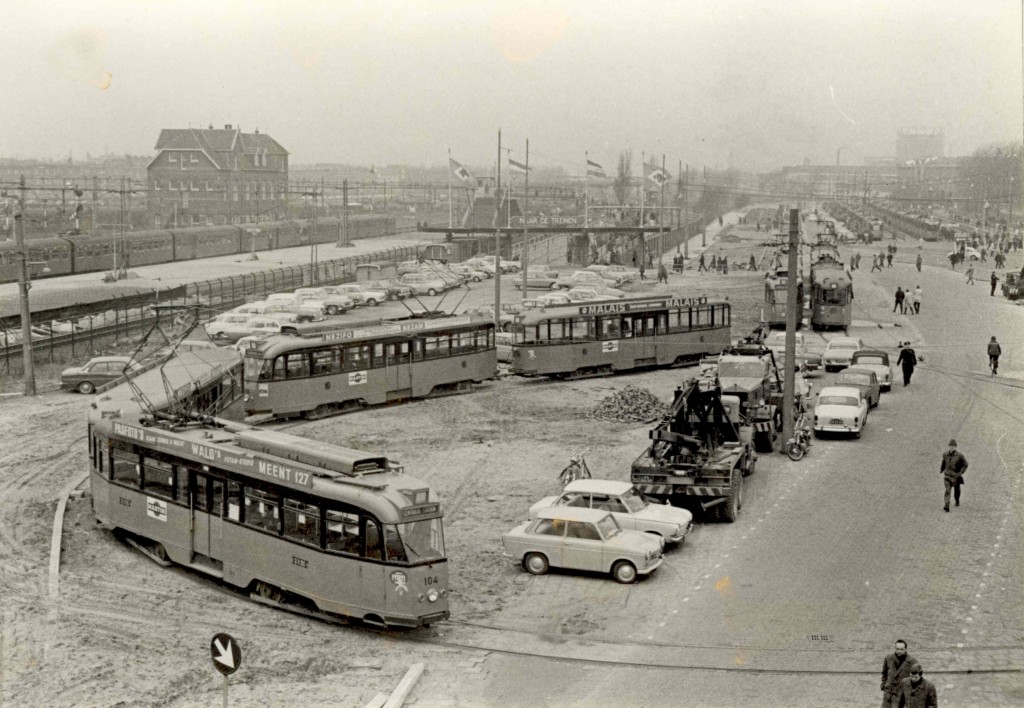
216,143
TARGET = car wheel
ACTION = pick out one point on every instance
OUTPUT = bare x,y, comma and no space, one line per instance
624,572
372,302
476,278
332,310
536,563
86,387
431,292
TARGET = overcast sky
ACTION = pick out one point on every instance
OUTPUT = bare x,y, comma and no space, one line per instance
753,83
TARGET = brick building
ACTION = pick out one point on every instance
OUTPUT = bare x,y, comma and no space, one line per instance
215,176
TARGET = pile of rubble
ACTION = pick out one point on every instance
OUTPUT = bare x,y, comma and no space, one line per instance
631,404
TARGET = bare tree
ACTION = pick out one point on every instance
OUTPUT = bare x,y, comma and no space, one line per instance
624,177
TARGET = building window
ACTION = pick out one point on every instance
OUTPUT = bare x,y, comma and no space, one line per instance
156,185
172,157
194,158
208,187
193,186
171,186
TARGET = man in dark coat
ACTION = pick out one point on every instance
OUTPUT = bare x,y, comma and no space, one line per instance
907,361
916,692
900,297
895,668
954,464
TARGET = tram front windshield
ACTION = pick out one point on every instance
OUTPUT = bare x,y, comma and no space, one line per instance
422,540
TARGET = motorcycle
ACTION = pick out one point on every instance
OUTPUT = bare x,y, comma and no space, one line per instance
798,445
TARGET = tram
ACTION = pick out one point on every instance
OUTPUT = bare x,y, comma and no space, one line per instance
601,338
831,296
776,295
289,519
322,372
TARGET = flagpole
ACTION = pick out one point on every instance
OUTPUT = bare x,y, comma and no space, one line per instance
449,188
524,252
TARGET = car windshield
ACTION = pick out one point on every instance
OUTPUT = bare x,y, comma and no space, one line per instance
422,540
872,360
634,501
858,379
608,527
843,345
740,369
837,401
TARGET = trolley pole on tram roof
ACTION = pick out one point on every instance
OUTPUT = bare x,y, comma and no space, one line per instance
794,310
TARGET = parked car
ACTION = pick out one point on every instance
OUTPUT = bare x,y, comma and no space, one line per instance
840,409
776,341
864,379
231,330
584,277
539,281
507,265
95,372
394,289
588,293
481,265
970,254
469,273
423,284
554,299
358,293
582,539
877,361
839,352
630,509
605,271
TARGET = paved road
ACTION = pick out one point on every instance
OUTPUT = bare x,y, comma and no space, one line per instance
832,559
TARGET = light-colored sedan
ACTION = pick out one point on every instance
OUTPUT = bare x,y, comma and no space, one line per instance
588,293
231,331
839,352
359,293
865,380
840,409
582,539
95,372
776,341
877,361
628,506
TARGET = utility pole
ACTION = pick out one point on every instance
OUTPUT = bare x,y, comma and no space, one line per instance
794,311
23,287
704,210
497,244
661,214
685,218
524,251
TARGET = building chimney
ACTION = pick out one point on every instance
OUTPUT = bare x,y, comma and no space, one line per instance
227,126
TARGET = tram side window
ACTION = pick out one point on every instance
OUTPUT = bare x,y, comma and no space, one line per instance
158,478
356,358
435,347
302,522
609,328
398,353
280,367
393,544
124,468
235,501
217,496
343,532
626,327
181,483
261,510
372,537
298,365
583,329
325,361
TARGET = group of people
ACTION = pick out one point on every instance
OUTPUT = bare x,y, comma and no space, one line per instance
881,259
903,681
718,264
908,301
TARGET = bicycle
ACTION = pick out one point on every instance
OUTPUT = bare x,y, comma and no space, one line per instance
576,469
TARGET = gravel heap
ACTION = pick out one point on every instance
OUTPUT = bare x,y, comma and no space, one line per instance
631,404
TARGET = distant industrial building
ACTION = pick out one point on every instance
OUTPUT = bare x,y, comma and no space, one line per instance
919,144
217,176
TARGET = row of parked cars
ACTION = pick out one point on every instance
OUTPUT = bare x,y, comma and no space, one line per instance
864,374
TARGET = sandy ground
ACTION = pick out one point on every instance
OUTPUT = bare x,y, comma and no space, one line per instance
124,631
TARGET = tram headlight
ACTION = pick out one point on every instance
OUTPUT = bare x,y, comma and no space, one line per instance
432,595
246,398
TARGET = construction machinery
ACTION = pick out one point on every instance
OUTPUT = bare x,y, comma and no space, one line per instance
700,451
749,372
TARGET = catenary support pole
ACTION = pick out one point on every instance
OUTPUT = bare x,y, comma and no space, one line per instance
794,311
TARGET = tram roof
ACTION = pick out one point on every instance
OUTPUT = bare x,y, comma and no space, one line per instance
177,376
365,331
609,307
829,272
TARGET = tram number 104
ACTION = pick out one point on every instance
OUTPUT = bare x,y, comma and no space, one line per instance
428,580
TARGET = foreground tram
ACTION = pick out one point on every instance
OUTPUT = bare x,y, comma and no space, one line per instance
294,521
776,295
831,296
323,372
597,339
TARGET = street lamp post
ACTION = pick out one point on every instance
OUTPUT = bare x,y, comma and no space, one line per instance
26,314
252,232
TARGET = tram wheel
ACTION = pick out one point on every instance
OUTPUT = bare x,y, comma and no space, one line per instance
159,551
269,592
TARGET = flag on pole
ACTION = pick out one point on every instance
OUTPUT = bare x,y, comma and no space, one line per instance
517,166
594,169
656,174
459,171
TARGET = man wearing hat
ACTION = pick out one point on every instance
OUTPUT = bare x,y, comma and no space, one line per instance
907,361
916,691
953,467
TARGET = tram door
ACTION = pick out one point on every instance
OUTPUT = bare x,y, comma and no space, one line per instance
398,364
644,328
207,502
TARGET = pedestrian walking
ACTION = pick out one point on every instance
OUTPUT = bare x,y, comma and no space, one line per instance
994,350
634,259
853,261
889,259
916,691
662,274
753,262
725,265
954,464
917,300
895,668
703,265
907,361
983,252
900,297
875,264
719,221
857,257
714,262
993,281
918,262
642,268
954,258
970,275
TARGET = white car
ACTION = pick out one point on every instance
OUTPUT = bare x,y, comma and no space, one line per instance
587,293
627,505
232,330
839,352
358,293
970,254
554,299
423,284
840,409
877,361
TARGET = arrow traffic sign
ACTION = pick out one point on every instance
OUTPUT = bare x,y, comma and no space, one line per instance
226,653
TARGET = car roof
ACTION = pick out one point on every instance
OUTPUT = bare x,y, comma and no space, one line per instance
572,513
844,340
856,370
839,391
115,359
599,486
870,352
